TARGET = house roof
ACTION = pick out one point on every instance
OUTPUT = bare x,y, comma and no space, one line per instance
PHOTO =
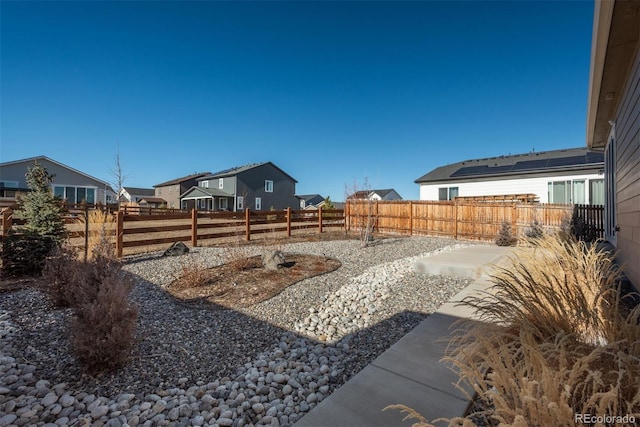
616,32
141,191
197,192
240,169
311,199
382,193
33,159
182,179
519,164
363,194
153,200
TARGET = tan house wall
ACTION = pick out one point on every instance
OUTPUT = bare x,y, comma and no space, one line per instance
171,193
627,178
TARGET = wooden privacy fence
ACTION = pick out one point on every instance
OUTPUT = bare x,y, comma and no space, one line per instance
460,219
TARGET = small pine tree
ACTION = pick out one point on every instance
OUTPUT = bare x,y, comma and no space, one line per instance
40,209
505,236
328,204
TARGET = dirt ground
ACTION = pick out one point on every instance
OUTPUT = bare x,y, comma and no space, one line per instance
243,284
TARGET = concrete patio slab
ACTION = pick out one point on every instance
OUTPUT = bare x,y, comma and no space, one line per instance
473,262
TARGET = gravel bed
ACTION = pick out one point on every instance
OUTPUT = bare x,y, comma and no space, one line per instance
266,365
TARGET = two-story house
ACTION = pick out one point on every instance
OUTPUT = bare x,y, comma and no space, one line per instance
170,191
259,186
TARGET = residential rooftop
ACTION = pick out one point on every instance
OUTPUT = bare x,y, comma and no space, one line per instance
578,159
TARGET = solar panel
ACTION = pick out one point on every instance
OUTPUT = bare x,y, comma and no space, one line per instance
595,157
567,161
470,170
530,165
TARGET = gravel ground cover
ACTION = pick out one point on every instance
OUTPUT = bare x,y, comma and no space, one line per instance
265,365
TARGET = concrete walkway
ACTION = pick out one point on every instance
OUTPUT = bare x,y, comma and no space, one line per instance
410,371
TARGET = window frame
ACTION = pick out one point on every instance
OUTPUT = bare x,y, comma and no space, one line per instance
258,203
268,186
220,183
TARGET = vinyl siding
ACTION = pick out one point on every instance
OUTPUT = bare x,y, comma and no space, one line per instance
628,174
535,185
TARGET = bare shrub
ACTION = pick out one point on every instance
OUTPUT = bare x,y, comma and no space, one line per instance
58,277
238,255
103,327
505,235
534,231
191,274
361,211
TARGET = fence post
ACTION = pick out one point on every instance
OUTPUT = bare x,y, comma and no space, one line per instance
86,232
320,220
119,233
247,219
194,227
7,221
347,217
288,222
455,220
410,218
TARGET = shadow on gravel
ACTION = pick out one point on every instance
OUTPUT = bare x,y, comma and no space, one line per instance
177,346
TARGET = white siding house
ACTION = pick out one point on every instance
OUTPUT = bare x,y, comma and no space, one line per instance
573,176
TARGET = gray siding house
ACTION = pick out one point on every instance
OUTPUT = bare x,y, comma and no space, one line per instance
613,123
170,191
68,183
259,186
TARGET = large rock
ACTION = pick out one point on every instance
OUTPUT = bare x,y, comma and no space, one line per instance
177,248
272,260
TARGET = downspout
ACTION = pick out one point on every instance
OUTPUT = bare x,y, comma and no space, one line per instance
235,193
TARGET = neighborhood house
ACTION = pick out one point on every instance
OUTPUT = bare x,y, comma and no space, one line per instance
170,191
259,186
68,183
569,176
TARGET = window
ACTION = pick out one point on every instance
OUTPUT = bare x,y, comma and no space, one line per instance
159,190
223,203
268,186
9,184
578,192
221,183
568,192
258,203
560,192
447,193
240,203
596,191
302,203
75,194
204,184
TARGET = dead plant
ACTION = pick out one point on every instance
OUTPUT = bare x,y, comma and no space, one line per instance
191,274
103,328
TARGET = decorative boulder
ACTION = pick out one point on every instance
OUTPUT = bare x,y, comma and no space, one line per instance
177,248
272,260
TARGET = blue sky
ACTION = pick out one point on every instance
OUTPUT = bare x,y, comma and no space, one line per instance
331,92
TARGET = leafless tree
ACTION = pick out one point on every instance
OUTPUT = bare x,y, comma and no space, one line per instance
361,210
117,173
